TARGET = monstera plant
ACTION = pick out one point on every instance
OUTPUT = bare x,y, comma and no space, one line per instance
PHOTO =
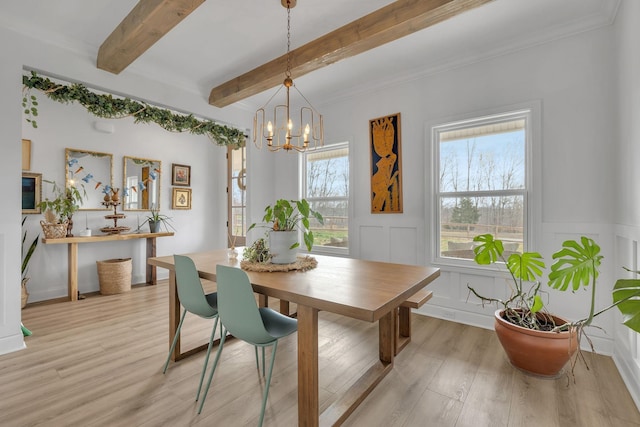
523,313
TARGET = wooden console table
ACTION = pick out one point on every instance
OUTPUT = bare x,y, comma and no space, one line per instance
73,242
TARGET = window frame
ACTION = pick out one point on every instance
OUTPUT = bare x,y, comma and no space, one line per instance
530,111
330,250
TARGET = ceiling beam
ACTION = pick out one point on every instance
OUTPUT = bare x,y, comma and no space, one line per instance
392,22
147,22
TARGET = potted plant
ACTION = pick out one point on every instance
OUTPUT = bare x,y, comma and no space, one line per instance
535,340
156,220
26,257
257,252
285,219
58,212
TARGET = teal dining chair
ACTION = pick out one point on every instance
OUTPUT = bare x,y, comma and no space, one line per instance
241,317
194,300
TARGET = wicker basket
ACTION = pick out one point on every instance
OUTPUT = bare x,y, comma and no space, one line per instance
54,230
25,295
114,276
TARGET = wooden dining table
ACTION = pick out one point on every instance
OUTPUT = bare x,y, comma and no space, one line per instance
366,290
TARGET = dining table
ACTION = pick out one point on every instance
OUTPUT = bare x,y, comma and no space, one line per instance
366,290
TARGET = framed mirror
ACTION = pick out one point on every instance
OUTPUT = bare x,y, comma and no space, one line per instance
93,171
141,183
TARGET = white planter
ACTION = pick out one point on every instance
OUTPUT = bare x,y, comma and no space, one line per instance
279,244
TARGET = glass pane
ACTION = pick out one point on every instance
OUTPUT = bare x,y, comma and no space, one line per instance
477,162
238,225
463,218
328,174
334,232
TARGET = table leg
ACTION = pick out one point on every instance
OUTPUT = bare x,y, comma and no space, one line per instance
72,280
151,269
308,407
174,314
284,308
387,336
263,300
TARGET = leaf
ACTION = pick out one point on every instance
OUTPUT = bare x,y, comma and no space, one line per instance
537,304
308,240
527,266
576,264
626,295
489,251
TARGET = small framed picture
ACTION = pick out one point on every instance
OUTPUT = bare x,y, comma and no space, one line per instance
181,198
181,175
31,192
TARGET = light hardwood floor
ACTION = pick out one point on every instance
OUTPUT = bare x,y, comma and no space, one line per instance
98,362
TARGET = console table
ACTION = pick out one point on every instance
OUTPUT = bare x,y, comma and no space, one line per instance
72,248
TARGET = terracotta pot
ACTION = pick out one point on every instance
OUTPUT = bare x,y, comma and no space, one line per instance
538,352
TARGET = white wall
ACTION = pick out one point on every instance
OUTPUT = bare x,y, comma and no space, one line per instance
627,184
10,72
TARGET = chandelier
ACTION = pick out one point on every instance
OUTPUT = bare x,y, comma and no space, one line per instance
275,125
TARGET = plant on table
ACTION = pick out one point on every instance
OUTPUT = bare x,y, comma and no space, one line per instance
257,252
156,219
291,215
66,201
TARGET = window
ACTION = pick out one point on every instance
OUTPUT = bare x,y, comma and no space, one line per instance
237,195
481,182
325,184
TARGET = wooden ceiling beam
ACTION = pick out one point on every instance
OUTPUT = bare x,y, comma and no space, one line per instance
392,22
147,22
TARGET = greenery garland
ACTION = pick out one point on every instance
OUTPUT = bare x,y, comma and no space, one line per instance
109,107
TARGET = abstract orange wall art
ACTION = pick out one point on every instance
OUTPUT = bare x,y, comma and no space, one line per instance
386,170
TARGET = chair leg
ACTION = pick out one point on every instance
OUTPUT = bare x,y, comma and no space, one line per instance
255,347
175,340
266,389
206,359
262,362
213,369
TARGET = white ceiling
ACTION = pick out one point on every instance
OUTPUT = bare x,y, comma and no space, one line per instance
224,38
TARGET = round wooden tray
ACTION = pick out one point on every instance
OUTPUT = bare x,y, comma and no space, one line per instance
114,230
115,216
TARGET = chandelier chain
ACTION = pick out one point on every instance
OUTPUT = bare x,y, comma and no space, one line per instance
288,73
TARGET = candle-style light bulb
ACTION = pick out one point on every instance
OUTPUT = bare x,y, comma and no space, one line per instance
306,133
270,128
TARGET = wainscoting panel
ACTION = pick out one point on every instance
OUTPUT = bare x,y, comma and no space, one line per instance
374,243
403,242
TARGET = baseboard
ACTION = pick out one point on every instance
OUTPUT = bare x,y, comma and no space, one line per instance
601,345
12,343
453,315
